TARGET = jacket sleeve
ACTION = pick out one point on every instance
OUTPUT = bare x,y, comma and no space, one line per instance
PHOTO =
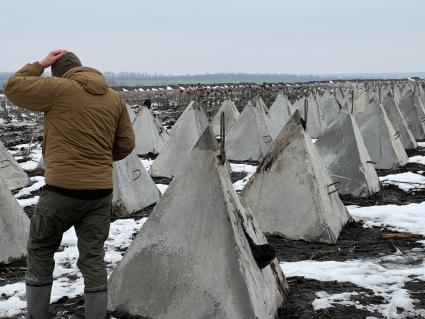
28,90
124,137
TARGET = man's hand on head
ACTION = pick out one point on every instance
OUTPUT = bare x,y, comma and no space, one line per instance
51,58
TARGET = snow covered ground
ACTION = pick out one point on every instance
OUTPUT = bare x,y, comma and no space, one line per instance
249,169
405,181
384,276
410,218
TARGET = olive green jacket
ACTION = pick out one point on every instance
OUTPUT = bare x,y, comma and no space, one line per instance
86,124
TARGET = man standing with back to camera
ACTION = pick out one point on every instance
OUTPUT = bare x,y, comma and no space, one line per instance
86,128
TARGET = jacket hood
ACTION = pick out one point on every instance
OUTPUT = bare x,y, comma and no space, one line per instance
90,79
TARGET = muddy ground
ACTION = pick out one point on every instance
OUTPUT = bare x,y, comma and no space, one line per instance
389,194
354,242
11,135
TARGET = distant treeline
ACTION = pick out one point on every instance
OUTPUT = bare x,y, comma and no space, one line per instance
125,78
134,79
146,79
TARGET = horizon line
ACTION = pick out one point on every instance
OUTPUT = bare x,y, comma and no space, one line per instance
249,73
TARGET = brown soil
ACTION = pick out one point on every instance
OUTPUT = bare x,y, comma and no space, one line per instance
389,194
12,272
11,135
418,151
409,167
354,242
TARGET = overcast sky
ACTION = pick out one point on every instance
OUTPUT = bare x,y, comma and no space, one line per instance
199,36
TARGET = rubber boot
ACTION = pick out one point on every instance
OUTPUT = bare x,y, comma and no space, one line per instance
38,301
263,254
95,304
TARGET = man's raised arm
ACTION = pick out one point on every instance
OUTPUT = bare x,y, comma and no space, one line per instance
28,90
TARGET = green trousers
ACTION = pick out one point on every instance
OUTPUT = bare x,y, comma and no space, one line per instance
55,214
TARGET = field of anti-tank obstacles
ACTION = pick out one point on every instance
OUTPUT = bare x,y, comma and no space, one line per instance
331,174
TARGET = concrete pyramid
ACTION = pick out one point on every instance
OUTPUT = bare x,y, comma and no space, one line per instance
398,122
192,258
382,92
397,94
342,150
361,103
183,136
291,193
410,109
259,101
280,113
382,141
231,113
421,93
131,113
314,125
249,138
420,107
14,226
134,189
347,107
329,107
13,174
404,87
299,105
340,96
150,134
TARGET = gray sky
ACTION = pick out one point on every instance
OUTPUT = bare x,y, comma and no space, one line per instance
199,36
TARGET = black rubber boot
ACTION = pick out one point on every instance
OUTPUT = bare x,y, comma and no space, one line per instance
263,254
38,301
95,304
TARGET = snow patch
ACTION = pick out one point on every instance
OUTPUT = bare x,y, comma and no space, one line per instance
417,159
249,169
35,156
384,276
147,163
39,183
324,300
405,181
162,188
28,201
401,218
